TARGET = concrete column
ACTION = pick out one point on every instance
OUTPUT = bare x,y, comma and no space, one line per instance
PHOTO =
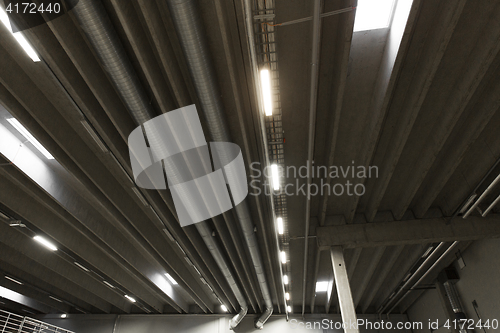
346,301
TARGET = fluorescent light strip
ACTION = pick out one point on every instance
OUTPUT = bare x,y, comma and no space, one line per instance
19,37
45,243
289,309
171,279
27,135
224,308
275,176
13,280
285,279
280,225
109,284
283,257
265,80
130,298
82,267
56,299
287,296
64,315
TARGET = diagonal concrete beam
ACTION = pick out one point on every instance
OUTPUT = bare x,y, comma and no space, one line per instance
446,19
409,232
475,68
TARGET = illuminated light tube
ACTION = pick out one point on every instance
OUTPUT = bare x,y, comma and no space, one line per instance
285,279
130,298
56,299
283,257
289,309
45,243
280,226
19,37
13,280
64,315
27,135
109,284
276,177
223,307
171,279
265,80
82,267
287,296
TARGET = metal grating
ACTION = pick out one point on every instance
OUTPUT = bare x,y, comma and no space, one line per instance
13,323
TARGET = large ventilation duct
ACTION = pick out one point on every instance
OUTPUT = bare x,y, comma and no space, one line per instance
94,21
190,31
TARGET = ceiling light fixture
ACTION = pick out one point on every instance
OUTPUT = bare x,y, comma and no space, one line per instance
13,280
280,225
56,299
276,176
285,279
27,135
223,307
289,309
82,267
45,243
321,287
171,279
109,284
283,257
265,80
130,298
64,315
371,15
18,36
287,296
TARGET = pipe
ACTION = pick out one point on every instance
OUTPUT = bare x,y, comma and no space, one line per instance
481,198
426,274
312,129
497,200
190,31
309,18
93,19
213,247
458,211
411,279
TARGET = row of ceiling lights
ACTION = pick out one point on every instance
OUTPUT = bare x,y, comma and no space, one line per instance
265,80
365,20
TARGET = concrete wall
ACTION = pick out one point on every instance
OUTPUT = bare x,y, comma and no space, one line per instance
479,280
197,324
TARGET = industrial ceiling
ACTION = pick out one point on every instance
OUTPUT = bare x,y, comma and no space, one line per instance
418,103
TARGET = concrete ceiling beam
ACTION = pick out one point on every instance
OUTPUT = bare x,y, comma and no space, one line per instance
432,52
422,231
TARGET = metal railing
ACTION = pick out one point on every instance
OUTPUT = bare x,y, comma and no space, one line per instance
13,323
